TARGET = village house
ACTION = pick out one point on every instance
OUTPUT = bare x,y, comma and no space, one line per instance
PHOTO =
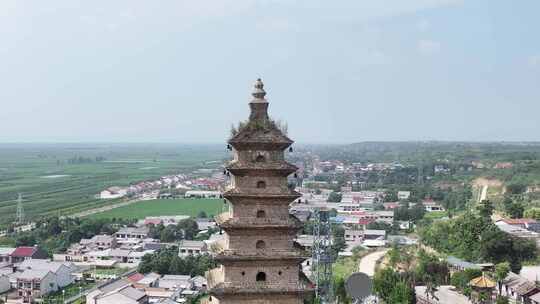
62,271
403,195
391,206
5,285
519,289
132,233
431,206
202,194
124,295
162,220
99,242
383,216
21,254
5,254
503,165
371,234
205,223
354,235
529,224
113,192
33,284
187,247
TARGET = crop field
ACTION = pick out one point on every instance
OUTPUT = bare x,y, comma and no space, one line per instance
58,179
142,209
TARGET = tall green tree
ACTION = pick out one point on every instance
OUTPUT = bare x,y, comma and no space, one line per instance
501,272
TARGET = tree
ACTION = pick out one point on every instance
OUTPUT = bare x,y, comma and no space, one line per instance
384,282
501,272
515,210
169,234
533,213
486,209
202,214
390,196
402,293
502,300
516,188
188,227
339,290
334,197
461,279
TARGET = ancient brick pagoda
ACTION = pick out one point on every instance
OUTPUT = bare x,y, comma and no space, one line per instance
260,262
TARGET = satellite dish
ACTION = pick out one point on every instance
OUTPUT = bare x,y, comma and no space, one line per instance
358,285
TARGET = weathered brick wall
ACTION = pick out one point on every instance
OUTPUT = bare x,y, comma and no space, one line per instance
249,211
246,243
250,156
279,276
248,184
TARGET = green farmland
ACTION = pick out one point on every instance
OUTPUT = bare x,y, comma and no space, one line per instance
158,207
59,179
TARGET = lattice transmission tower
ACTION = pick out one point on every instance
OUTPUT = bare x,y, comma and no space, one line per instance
20,210
322,256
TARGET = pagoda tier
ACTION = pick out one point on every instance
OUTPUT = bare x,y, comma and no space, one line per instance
286,197
259,258
261,169
227,221
219,286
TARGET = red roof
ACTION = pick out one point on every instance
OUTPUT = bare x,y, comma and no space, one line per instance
23,252
135,277
365,221
521,221
390,205
152,221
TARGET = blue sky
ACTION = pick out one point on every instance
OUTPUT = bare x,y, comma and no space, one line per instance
336,71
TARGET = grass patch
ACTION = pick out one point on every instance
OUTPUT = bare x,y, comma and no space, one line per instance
344,267
159,207
435,214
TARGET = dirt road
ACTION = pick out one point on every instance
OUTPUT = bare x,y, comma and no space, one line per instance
368,262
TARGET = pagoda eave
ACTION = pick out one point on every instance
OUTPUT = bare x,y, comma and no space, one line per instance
221,290
231,257
291,196
259,145
241,226
254,171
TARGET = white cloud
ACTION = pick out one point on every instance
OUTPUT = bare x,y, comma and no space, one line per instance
534,61
426,46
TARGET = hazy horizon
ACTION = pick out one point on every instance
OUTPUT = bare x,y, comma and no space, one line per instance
181,71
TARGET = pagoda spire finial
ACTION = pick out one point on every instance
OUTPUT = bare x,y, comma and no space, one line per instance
258,90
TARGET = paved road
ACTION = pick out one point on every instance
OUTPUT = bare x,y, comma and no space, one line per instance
368,262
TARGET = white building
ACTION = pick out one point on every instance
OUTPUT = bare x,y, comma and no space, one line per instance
132,233
202,194
403,195
5,254
354,235
33,284
432,206
123,295
62,271
5,285
187,247
113,192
